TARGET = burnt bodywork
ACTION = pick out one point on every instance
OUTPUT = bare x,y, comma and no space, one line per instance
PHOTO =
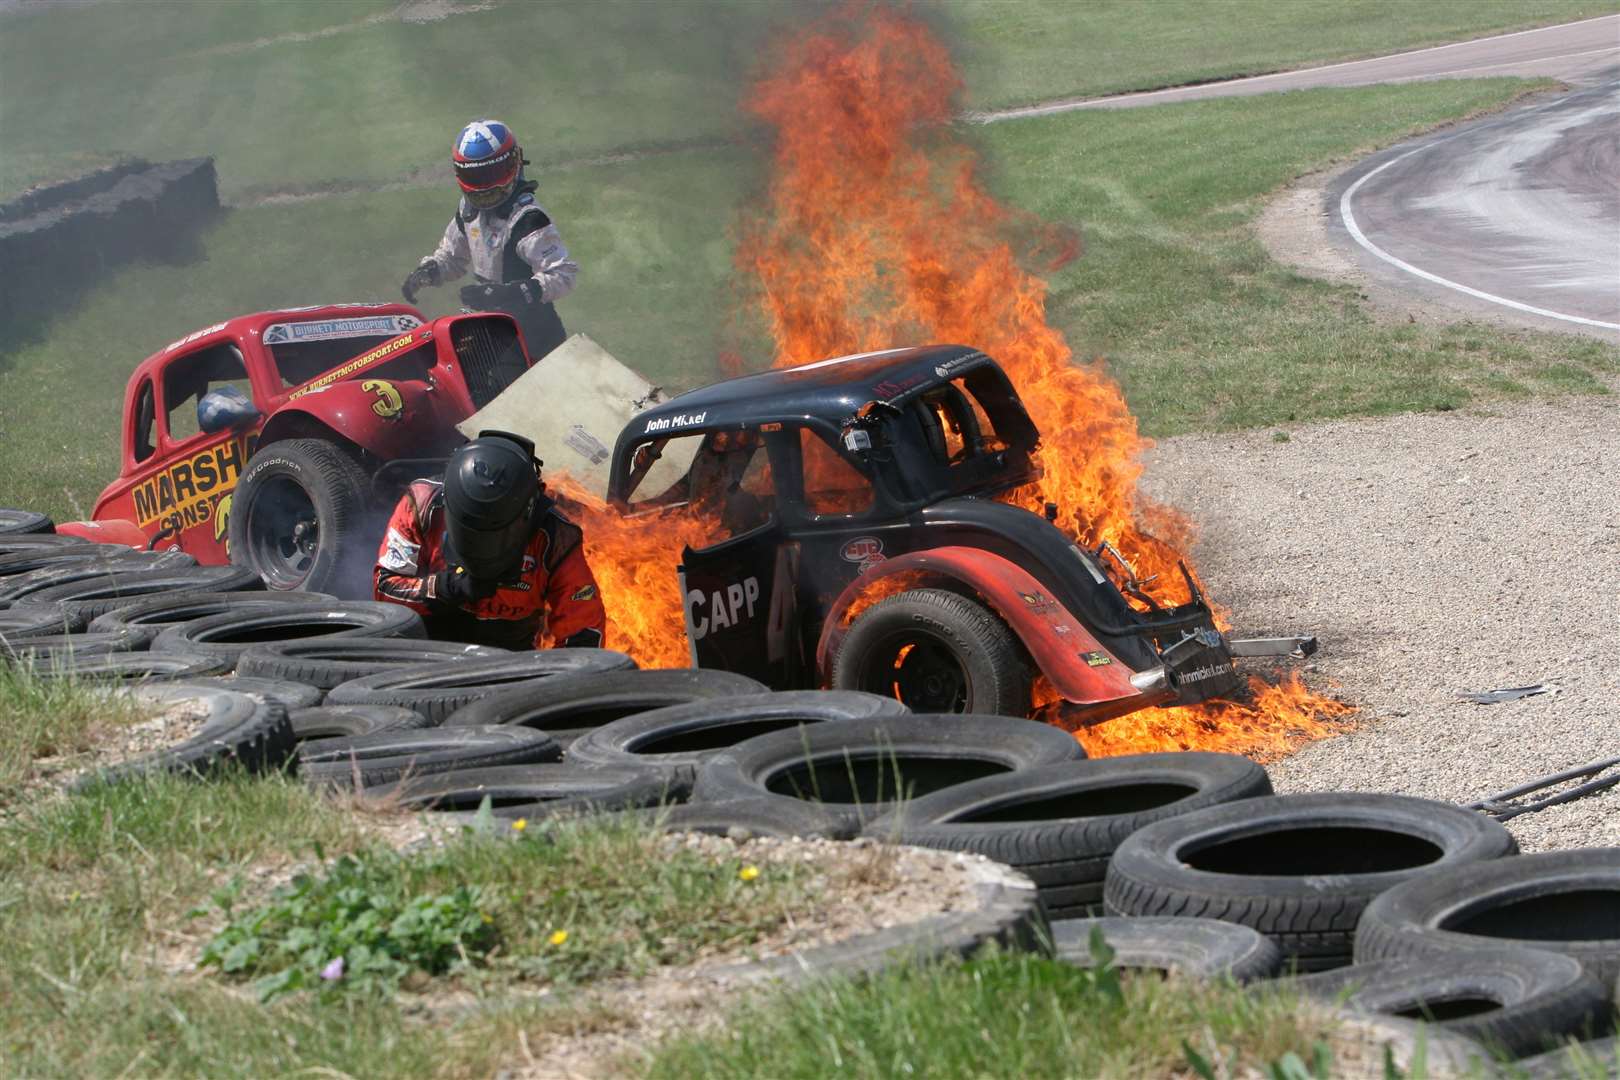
830,478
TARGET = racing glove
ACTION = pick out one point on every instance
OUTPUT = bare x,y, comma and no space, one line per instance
453,585
511,294
425,274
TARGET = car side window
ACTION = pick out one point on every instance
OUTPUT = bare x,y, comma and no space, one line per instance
832,485
188,378
145,413
726,479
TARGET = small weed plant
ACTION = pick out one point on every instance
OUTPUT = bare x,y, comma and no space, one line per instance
349,928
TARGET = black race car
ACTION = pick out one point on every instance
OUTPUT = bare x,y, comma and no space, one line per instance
859,543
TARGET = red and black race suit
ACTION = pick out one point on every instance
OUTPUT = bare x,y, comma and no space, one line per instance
553,595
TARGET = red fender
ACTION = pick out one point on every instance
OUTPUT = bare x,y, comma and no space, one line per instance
388,418
111,531
1078,666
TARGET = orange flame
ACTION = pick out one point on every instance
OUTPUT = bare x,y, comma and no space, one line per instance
877,231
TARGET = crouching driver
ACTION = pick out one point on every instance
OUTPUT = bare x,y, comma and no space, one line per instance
486,558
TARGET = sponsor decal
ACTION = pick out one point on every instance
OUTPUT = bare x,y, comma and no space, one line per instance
1208,637
770,427
679,420
527,566
586,445
222,521
399,554
586,592
890,388
1062,628
388,404
183,494
951,367
189,338
723,608
866,551
334,329
1200,674
1096,659
1037,601
339,373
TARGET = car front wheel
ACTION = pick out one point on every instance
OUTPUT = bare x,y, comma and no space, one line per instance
937,652
301,517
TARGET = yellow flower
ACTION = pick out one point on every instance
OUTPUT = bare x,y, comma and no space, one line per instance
748,873
558,937
487,917
520,824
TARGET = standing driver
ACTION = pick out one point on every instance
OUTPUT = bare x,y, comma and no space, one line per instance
508,239
486,558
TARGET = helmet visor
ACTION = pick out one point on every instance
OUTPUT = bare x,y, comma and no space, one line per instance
490,172
488,200
488,554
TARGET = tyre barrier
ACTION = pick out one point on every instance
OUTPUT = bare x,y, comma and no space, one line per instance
1197,948
25,522
740,819
1594,1057
95,595
239,731
533,792
292,695
347,721
146,619
22,543
1523,1000
367,761
139,667
438,690
29,572
1298,868
1061,824
567,710
1561,901
854,771
329,662
20,623
231,633
63,651
681,737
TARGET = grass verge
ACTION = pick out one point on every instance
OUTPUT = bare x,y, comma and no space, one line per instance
1001,1015
42,717
298,93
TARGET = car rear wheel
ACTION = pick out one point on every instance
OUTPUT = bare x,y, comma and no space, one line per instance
936,652
300,519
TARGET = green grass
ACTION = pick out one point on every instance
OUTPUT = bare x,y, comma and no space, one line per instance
1007,1015
48,717
172,79
98,899
1035,50
1173,290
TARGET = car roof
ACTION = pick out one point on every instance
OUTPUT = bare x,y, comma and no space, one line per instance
828,390
254,325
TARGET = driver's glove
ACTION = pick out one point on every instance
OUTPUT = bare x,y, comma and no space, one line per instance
425,274
454,586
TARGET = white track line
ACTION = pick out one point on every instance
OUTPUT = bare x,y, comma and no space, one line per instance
1349,217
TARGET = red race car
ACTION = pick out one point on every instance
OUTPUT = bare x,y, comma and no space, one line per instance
262,440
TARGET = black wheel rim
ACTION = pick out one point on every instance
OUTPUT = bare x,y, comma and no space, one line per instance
921,671
283,533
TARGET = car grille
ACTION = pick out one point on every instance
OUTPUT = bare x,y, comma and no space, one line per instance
490,354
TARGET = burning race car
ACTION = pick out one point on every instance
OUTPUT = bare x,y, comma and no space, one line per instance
260,440
860,543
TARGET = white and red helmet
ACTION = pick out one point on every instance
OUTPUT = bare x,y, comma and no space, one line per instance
487,160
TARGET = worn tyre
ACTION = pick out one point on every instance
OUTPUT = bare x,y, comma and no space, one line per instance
292,695
437,690
1061,824
1523,1000
302,518
18,587
238,731
92,597
230,633
15,543
20,623
533,792
569,709
24,521
1561,901
370,760
62,650
330,662
1298,868
142,667
1197,948
347,721
857,769
937,652
26,556
146,619
1573,1061
681,736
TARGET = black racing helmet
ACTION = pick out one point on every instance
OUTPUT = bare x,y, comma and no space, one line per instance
491,487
